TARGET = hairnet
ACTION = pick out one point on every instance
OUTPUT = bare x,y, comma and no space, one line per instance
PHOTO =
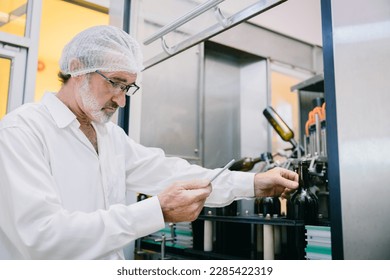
105,48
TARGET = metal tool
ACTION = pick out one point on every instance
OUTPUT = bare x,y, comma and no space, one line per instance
222,170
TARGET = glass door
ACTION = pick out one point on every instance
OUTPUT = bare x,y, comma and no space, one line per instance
5,71
12,69
19,33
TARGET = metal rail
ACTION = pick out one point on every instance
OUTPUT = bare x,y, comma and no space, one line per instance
182,20
222,25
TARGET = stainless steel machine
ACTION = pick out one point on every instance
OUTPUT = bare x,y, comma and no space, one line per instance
221,85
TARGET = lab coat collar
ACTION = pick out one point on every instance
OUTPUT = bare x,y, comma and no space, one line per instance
61,114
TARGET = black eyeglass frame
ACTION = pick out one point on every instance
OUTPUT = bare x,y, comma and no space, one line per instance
125,88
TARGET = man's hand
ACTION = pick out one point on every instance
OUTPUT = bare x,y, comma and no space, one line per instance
275,182
183,201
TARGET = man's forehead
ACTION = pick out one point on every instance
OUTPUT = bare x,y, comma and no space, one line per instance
122,76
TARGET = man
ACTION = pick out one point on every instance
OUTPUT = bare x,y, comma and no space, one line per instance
65,169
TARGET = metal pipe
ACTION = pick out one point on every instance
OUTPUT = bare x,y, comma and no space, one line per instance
318,134
323,143
182,20
208,235
163,246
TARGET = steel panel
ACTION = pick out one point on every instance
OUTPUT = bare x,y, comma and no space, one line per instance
361,41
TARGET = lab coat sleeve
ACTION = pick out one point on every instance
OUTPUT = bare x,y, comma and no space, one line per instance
150,171
38,227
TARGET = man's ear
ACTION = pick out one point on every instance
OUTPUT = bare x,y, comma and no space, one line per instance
75,65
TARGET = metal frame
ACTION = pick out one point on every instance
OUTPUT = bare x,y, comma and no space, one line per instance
122,15
182,20
201,105
24,51
222,25
300,57
119,13
18,62
332,133
34,11
356,48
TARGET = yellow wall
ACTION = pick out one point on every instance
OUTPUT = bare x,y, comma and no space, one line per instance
17,25
5,65
60,21
285,104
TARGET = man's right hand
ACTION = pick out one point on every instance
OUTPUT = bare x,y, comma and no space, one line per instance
183,201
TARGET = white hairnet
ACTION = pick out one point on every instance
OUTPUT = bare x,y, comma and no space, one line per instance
105,48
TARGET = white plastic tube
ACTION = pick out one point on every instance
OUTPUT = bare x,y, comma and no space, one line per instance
208,236
268,231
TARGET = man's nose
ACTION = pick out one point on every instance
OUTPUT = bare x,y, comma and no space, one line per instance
120,99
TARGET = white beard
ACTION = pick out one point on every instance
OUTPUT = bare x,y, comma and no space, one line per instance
91,105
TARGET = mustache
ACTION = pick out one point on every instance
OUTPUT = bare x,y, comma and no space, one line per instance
111,104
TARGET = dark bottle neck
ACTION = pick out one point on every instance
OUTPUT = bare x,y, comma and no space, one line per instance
303,173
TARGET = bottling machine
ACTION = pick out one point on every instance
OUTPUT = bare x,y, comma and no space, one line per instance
269,227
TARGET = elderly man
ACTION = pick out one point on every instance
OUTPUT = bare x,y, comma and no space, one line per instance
65,168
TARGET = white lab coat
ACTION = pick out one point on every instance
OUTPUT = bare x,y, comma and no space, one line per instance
59,199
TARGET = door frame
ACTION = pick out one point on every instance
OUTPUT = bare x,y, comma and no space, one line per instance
17,70
23,52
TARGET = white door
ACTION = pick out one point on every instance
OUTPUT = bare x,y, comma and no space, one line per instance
19,33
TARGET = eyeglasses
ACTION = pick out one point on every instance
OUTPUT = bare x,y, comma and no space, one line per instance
118,86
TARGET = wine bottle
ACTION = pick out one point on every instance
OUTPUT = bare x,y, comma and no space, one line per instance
280,126
245,164
303,204
267,205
